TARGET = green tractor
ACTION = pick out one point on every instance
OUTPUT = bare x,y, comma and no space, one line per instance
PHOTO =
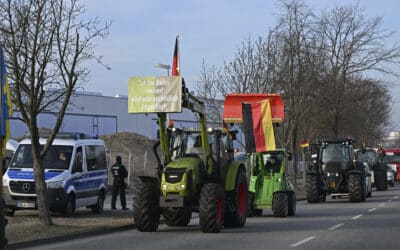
268,180
198,174
269,185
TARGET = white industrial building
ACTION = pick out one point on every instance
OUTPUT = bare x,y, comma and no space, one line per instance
95,114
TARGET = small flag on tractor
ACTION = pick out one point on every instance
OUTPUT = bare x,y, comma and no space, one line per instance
176,71
304,144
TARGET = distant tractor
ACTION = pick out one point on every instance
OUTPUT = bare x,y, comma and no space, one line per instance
336,172
377,166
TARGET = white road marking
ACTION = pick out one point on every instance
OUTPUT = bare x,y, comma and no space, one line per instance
356,217
396,197
382,204
371,210
302,241
336,226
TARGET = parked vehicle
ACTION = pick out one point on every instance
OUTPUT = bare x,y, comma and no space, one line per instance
393,161
76,174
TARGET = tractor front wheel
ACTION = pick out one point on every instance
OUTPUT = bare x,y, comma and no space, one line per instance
212,206
146,207
312,190
238,197
280,204
355,188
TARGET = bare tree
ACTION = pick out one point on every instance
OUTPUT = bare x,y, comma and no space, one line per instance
353,45
47,45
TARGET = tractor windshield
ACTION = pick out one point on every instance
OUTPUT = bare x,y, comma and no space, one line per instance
272,161
186,144
335,152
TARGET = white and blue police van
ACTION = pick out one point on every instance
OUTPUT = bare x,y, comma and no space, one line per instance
76,174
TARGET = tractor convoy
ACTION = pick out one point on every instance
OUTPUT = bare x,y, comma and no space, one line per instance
198,171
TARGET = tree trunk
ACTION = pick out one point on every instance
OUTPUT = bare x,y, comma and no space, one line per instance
41,192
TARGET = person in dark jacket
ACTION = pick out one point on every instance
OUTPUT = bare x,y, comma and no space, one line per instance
119,173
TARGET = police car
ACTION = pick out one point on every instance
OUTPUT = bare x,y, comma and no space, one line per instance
75,172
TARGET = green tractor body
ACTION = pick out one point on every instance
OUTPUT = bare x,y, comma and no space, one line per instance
269,184
198,174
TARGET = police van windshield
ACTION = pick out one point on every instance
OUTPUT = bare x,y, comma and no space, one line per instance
58,157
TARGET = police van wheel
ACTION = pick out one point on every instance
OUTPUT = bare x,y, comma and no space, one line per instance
9,212
70,206
98,207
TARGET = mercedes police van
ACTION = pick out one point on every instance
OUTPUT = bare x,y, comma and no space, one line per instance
75,172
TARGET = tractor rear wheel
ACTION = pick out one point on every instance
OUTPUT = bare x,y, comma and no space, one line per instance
291,203
238,197
211,208
177,217
312,190
280,204
146,207
355,188
380,180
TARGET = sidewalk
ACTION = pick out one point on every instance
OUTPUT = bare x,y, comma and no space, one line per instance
129,201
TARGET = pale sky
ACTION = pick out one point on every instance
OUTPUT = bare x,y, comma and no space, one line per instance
143,34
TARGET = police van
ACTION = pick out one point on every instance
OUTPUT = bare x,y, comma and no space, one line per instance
76,174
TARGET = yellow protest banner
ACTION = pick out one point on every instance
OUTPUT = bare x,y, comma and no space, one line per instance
155,94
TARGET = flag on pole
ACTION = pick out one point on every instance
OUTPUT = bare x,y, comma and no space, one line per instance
175,62
258,128
5,100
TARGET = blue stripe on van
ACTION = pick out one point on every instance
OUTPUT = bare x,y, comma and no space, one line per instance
28,175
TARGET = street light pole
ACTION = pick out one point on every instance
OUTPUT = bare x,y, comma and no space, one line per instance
163,66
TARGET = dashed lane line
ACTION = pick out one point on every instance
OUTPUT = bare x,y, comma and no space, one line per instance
356,217
371,210
336,226
302,241
396,197
382,204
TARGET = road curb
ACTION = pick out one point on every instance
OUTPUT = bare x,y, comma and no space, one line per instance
72,236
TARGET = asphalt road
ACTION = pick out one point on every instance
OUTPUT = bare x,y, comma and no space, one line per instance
335,224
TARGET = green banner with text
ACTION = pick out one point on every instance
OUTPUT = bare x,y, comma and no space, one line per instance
155,94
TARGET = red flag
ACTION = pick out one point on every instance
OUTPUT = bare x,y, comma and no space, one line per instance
175,61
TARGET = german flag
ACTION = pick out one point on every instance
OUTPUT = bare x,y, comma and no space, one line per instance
257,127
304,144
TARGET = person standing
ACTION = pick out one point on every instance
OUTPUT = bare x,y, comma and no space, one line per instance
119,173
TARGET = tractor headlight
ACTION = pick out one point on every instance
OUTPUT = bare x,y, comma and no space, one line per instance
328,174
165,186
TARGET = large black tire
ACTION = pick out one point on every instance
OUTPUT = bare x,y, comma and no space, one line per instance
251,211
356,188
3,223
70,206
312,189
291,203
380,180
212,207
280,204
322,196
99,206
177,217
146,207
238,197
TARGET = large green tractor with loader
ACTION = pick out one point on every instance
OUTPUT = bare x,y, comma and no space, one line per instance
198,174
268,170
